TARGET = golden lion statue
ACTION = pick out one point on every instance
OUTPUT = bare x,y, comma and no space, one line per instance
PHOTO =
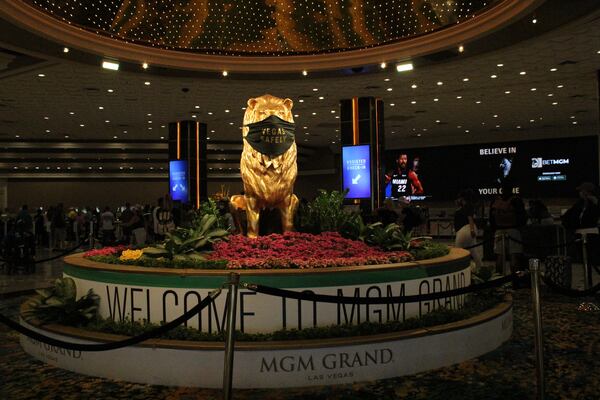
268,164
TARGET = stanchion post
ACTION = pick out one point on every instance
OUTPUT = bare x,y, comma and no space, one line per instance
534,268
503,252
586,272
234,280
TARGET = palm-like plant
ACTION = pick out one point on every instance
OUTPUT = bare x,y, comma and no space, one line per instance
188,243
58,304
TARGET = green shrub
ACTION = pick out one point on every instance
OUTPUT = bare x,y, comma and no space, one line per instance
324,214
427,249
163,262
58,304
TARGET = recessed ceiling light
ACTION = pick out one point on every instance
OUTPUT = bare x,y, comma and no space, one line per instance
110,90
301,101
382,65
124,131
436,99
65,49
459,97
574,122
522,73
533,89
550,94
41,75
210,113
555,103
390,89
107,121
71,113
572,117
532,120
225,73
296,115
466,131
226,111
553,69
114,137
560,86
333,111
507,92
386,80
162,137
114,66
100,108
500,65
495,115
315,90
392,104
196,107
465,79
314,113
478,102
413,102
81,125
47,130
437,121
321,97
404,67
147,83
151,121
17,136
493,76
414,86
534,21
440,83
46,117
461,48
66,136
305,73
145,65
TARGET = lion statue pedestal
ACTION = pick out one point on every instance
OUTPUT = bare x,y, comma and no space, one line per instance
268,164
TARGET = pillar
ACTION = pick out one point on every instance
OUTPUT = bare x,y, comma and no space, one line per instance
362,123
187,144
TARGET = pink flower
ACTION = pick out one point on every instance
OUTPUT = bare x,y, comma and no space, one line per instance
106,251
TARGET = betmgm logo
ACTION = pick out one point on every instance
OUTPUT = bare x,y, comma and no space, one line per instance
539,162
536,162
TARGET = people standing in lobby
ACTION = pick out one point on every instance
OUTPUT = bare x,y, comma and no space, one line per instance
126,217
59,227
163,220
39,222
107,220
24,219
136,226
507,216
464,226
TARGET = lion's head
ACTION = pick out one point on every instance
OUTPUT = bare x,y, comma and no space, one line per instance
264,106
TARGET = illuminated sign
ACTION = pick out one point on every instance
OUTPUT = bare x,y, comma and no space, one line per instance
356,171
178,182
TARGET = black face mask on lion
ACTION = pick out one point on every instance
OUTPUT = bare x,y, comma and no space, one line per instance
272,136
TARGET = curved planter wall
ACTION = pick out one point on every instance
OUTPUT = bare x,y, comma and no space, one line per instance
281,364
157,294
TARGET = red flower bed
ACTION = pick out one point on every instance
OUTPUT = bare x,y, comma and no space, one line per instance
301,250
106,251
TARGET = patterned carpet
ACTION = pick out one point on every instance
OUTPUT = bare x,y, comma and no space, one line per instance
572,348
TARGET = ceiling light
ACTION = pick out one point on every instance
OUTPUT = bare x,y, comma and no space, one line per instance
210,113
41,75
301,101
533,89
404,67
478,102
553,69
321,97
315,90
555,103
225,73
17,136
560,86
147,83
124,131
46,117
66,136
107,121
100,108
572,117
493,76
110,90
495,115
574,122
392,104
414,86
226,111
333,111
386,80
47,130
162,137
532,120
500,65
65,49
196,107
550,94
437,121
81,125
145,65
440,83
436,99
534,21
382,65
305,73
507,92
465,79
461,48
71,113
413,102
114,137
114,66
522,73
151,121
389,89
459,97
466,131
314,113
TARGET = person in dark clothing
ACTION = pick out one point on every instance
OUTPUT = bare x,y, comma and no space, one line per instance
584,214
386,214
24,219
464,226
507,217
40,227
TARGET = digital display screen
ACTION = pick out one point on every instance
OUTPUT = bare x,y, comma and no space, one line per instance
356,171
178,182
536,168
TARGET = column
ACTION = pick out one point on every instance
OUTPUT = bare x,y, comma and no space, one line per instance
188,161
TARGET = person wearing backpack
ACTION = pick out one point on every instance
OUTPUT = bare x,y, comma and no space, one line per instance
507,217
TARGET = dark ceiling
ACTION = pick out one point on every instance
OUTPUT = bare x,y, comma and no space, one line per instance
265,27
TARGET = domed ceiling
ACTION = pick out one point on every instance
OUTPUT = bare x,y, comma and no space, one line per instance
262,27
